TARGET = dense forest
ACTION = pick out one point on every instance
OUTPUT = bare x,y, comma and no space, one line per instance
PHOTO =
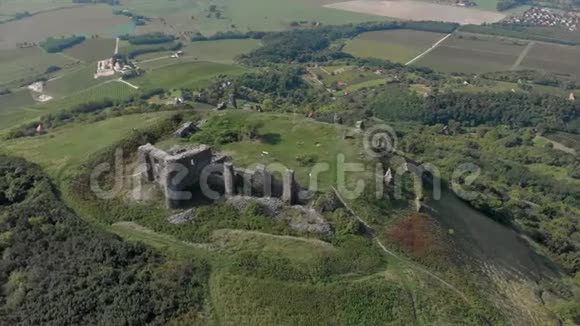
542,111
56,269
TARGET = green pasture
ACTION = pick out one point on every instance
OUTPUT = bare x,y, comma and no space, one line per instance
63,149
221,51
16,99
13,116
74,81
286,139
349,76
185,75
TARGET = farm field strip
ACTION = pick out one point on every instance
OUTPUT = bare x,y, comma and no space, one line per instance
67,146
396,45
473,54
559,59
418,10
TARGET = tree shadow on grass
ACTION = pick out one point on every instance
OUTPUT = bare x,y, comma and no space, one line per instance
271,138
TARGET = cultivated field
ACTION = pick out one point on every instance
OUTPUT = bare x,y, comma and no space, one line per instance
74,81
559,59
11,117
185,75
93,50
86,20
473,54
397,45
222,51
22,64
245,15
9,8
417,10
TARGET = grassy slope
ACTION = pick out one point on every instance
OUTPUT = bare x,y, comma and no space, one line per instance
65,148
473,54
14,116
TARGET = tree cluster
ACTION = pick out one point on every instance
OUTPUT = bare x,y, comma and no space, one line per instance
53,45
57,269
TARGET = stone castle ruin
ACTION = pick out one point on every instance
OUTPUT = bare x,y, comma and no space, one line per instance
183,170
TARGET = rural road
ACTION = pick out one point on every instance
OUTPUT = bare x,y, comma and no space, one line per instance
522,56
127,83
390,253
428,50
116,46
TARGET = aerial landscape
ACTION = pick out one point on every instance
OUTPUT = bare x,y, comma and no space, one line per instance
304,162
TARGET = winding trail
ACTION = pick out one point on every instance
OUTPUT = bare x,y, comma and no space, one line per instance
390,253
522,56
429,49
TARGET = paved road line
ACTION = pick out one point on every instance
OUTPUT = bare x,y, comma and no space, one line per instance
428,50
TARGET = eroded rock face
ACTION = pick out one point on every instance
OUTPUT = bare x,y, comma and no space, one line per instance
299,218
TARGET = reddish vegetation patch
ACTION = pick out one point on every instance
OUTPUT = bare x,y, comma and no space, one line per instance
417,235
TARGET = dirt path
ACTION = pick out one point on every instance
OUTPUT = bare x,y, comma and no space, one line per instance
116,46
120,80
392,254
559,146
522,56
429,49
155,59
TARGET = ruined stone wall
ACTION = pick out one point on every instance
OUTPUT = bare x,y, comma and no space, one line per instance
175,172
178,173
